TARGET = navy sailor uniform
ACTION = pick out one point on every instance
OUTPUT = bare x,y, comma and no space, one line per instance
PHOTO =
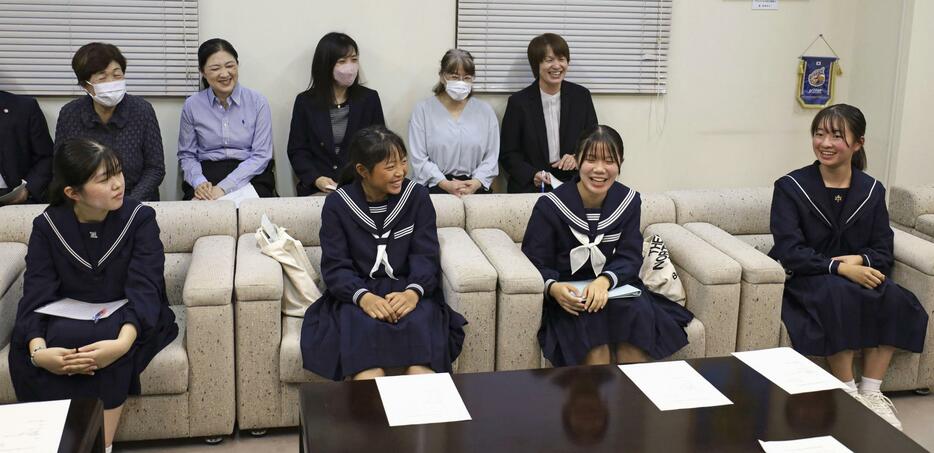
125,261
824,312
379,248
566,243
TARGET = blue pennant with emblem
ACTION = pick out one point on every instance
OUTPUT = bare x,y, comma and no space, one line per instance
815,80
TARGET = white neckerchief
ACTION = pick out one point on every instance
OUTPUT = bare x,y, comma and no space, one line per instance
587,250
381,256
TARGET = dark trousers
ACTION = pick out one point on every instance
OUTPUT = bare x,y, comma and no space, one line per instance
216,170
436,189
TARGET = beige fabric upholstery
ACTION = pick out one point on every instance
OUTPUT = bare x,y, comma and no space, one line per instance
926,225
736,211
268,354
188,388
912,209
12,263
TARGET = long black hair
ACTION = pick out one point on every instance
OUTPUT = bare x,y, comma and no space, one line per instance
843,118
76,162
332,47
370,146
211,47
599,138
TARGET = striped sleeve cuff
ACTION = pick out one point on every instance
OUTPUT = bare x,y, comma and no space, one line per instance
832,267
548,284
613,280
866,260
357,295
417,288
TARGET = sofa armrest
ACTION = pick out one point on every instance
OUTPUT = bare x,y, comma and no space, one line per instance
258,277
516,273
906,204
210,276
915,252
463,264
707,264
756,266
12,263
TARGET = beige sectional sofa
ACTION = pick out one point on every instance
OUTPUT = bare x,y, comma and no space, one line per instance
736,221
911,209
188,388
269,365
497,224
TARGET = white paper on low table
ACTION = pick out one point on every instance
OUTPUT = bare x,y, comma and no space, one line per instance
674,385
246,192
791,371
824,444
620,292
420,399
32,427
84,311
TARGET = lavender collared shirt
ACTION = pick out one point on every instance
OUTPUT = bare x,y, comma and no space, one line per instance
242,131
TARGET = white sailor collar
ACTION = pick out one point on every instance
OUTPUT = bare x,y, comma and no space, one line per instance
64,226
808,184
355,201
567,202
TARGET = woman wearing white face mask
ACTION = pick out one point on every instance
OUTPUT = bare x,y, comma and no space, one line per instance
454,138
328,113
107,114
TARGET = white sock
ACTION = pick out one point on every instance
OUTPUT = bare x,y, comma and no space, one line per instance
109,449
850,386
869,385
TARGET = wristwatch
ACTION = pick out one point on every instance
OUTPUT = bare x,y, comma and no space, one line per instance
32,355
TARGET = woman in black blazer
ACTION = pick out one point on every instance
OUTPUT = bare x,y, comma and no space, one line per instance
327,114
538,141
25,148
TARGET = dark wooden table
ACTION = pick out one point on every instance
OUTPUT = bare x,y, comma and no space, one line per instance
84,427
593,409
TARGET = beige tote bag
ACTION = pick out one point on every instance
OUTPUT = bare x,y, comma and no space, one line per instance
299,278
657,272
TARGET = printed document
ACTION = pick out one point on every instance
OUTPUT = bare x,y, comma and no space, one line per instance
420,399
791,371
825,444
674,385
32,427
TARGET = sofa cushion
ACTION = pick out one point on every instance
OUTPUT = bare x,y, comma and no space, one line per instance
181,223
507,212
738,211
290,354
17,222
926,224
167,374
762,242
176,270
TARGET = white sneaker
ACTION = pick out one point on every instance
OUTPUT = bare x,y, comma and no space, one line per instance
882,406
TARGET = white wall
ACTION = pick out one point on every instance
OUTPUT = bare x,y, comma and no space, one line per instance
729,119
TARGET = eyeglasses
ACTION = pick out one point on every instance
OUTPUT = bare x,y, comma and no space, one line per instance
457,78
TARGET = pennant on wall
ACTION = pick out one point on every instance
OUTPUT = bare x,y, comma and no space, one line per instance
815,80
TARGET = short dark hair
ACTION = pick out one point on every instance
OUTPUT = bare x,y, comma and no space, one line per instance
211,47
597,138
75,163
94,57
332,47
538,48
453,60
844,117
370,146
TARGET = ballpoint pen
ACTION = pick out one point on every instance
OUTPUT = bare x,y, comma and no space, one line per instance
99,315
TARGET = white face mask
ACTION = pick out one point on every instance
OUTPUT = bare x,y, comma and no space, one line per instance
108,94
457,89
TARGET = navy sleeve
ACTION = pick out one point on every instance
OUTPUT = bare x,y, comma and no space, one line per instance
623,267
424,249
879,253
145,282
511,153
41,283
40,152
153,156
540,245
377,109
299,146
337,267
791,249
591,118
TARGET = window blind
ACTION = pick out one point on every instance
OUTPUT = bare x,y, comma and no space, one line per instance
617,46
159,39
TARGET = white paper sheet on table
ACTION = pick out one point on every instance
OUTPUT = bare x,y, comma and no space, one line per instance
674,385
84,311
420,399
32,427
791,371
825,444
246,192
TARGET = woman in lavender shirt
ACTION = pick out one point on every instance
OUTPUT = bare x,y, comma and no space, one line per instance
225,137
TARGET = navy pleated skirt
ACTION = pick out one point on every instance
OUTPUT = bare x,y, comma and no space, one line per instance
650,322
826,314
340,340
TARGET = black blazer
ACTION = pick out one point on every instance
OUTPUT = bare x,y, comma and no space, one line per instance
25,145
523,145
311,143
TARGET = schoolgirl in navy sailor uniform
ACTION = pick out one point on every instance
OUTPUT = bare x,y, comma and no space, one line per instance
588,228
832,236
90,245
383,309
